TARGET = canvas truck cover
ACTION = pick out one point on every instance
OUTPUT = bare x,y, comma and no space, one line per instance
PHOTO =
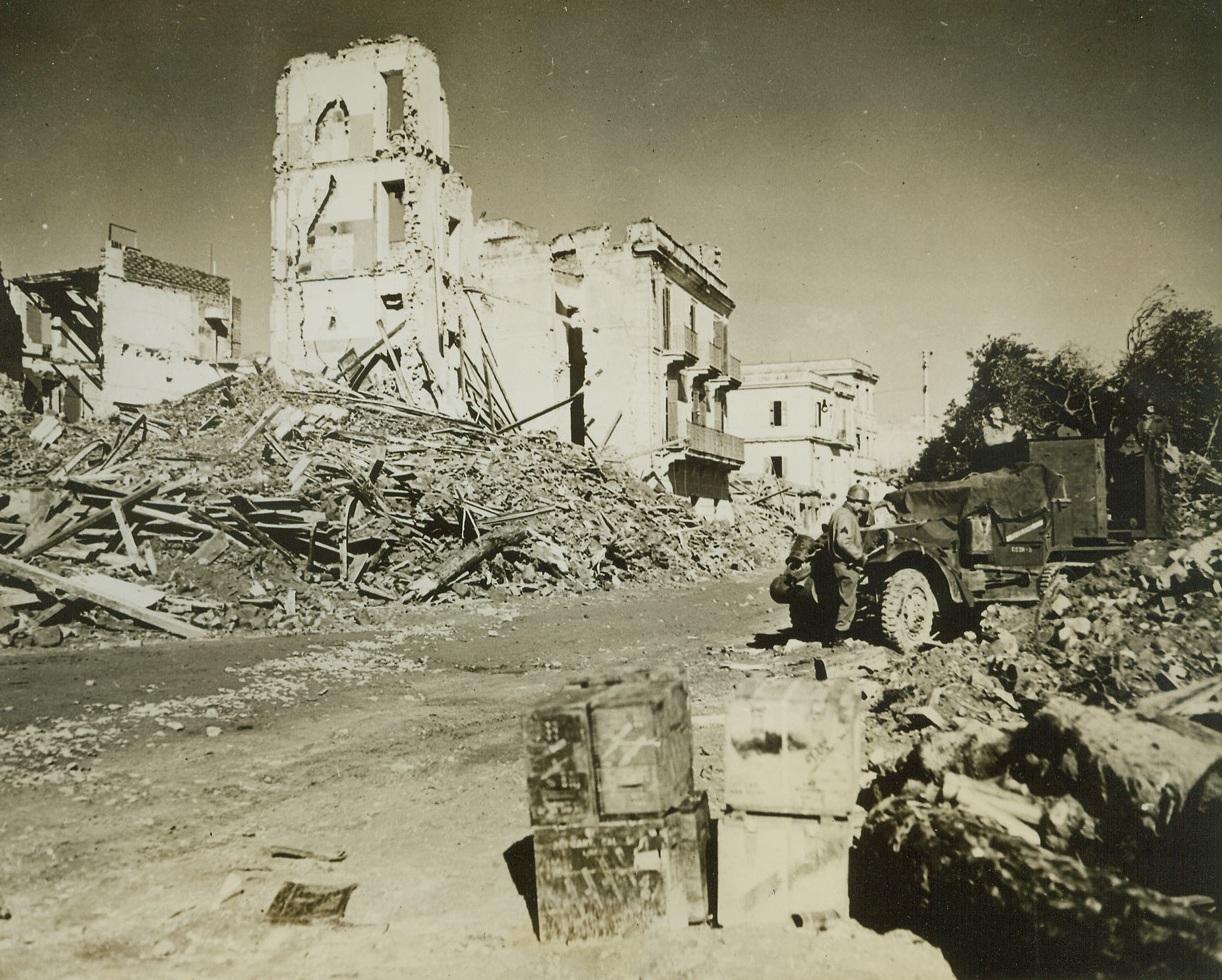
1008,494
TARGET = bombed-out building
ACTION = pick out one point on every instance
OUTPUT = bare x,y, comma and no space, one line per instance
636,329
371,227
377,266
132,330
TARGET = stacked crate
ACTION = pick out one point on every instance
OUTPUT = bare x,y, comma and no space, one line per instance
619,833
792,762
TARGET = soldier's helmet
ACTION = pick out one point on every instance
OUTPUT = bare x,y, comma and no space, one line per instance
781,590
859,494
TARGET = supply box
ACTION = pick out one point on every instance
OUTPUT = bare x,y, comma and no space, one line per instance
623,876
794,747
610,748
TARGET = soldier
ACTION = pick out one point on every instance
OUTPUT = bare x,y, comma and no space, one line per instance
848,556
1001,442
795,587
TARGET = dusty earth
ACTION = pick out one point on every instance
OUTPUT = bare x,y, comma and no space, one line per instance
146,785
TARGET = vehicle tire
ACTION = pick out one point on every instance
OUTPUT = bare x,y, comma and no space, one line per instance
909,610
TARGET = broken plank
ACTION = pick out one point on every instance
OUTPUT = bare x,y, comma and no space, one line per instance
255,429
132,593
139,424
393,356
297,475
125,532
46,617
464,560
261,536
39,576
61,472
169,517
211,550
30,549
17,597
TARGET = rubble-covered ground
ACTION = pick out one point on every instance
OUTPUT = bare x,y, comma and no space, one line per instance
345,705
297,504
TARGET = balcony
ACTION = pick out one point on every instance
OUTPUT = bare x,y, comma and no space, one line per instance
672,338
725,368
712,444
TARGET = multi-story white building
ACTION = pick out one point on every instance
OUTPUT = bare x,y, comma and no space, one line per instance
132,330
810,424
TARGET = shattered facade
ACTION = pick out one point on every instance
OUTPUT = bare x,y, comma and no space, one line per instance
370,224
132,331
375,255
637,330
809,423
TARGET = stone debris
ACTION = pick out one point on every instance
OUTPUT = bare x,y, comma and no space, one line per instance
270,502
1083,737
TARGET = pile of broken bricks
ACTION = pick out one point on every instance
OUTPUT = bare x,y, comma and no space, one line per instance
295,501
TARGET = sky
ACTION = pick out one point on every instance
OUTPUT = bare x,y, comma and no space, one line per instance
884,177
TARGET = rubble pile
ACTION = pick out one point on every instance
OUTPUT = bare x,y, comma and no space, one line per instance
273,501
1131,627
1053,779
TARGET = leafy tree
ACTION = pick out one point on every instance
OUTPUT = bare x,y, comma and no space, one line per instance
1039,394
1173,361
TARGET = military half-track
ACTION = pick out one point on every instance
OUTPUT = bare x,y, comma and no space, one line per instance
1003,536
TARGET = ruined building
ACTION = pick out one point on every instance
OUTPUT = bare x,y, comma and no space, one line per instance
375,254
371,227
636,329
133,330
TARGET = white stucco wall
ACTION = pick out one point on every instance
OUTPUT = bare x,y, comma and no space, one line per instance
140,376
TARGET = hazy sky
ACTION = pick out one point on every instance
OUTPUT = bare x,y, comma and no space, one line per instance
882,177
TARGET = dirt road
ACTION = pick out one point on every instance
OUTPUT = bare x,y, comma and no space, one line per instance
142,783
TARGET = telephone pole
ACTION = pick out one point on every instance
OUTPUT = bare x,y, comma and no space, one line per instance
925,356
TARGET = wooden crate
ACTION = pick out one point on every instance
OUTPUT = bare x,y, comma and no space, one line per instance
642,737
771,868
794,746
610,748
560,760
623,876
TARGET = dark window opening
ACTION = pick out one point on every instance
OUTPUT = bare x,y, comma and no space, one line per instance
777,414
672,407
33,323
666,317
395,231
577,381
778,466
394,100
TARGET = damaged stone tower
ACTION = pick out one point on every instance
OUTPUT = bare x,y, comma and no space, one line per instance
371,228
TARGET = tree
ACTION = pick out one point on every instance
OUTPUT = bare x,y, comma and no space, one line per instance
1039,394
1173,361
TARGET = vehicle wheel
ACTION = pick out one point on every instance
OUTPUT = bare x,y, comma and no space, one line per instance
909,610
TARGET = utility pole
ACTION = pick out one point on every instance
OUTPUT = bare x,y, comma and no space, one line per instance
925,356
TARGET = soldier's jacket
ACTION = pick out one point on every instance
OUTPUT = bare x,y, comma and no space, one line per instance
844,537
